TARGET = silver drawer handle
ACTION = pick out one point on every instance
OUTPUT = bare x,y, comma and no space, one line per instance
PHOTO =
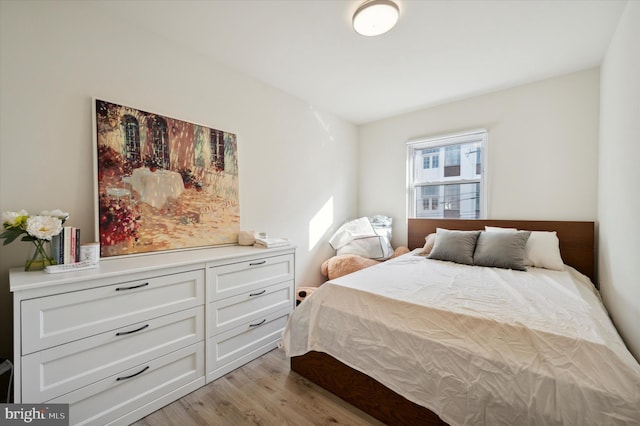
258,263
133,375
131,288
258,293
260,323
122,333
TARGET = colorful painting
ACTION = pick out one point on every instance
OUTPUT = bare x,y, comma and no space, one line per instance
162,183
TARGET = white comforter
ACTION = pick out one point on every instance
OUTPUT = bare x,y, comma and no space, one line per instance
476,345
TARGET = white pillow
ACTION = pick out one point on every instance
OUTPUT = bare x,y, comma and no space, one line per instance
542,249
498,229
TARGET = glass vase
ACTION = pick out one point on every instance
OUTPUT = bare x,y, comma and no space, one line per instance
39,259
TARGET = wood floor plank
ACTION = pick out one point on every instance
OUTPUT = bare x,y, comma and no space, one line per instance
262,392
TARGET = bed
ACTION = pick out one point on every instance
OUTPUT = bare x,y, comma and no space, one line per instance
422,341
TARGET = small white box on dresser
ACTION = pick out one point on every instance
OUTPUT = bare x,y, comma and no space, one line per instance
122,340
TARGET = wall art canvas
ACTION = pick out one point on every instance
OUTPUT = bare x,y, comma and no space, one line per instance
162,183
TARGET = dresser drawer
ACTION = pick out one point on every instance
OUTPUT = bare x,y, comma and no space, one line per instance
236,278
103,402
62,318
53,372
236,310
236,347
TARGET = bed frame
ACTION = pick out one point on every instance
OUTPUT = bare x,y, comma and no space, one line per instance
577,249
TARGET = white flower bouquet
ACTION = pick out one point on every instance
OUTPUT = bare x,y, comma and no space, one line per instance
38,229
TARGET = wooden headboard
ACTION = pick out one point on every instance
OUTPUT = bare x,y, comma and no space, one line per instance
577,246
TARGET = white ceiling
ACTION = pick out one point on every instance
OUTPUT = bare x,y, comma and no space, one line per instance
440,50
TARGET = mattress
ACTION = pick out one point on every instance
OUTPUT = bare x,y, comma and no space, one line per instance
476,345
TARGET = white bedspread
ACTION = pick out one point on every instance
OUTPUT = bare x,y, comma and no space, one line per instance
477,346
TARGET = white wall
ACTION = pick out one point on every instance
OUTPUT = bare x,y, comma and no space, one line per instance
541,154
56,55
619,178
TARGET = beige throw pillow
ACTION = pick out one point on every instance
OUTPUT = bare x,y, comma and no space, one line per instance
428,245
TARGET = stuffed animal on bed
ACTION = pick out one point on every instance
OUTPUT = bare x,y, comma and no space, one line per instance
344,264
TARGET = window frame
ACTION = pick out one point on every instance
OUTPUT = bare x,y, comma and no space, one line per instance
444,140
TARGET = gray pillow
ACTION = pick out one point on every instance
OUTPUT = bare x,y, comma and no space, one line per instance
501,250
454,246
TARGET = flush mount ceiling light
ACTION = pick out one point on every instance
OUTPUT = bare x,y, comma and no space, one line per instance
375,17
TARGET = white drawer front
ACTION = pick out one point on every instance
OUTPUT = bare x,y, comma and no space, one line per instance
234,311
237,278
61,369
54,320
238,345
110,399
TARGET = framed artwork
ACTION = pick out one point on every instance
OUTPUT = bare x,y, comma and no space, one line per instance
162,183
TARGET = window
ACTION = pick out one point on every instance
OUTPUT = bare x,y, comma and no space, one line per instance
160,142
452,160
452,201
476,196
131,140
430,197
430,158
455,190
217,149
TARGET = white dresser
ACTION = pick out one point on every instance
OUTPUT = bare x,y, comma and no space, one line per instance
120,341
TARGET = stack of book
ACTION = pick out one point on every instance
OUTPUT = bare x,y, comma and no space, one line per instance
65,247
269,242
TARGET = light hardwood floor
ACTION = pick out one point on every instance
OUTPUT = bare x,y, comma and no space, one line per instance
262,392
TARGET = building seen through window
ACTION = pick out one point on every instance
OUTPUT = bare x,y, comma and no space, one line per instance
446,176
